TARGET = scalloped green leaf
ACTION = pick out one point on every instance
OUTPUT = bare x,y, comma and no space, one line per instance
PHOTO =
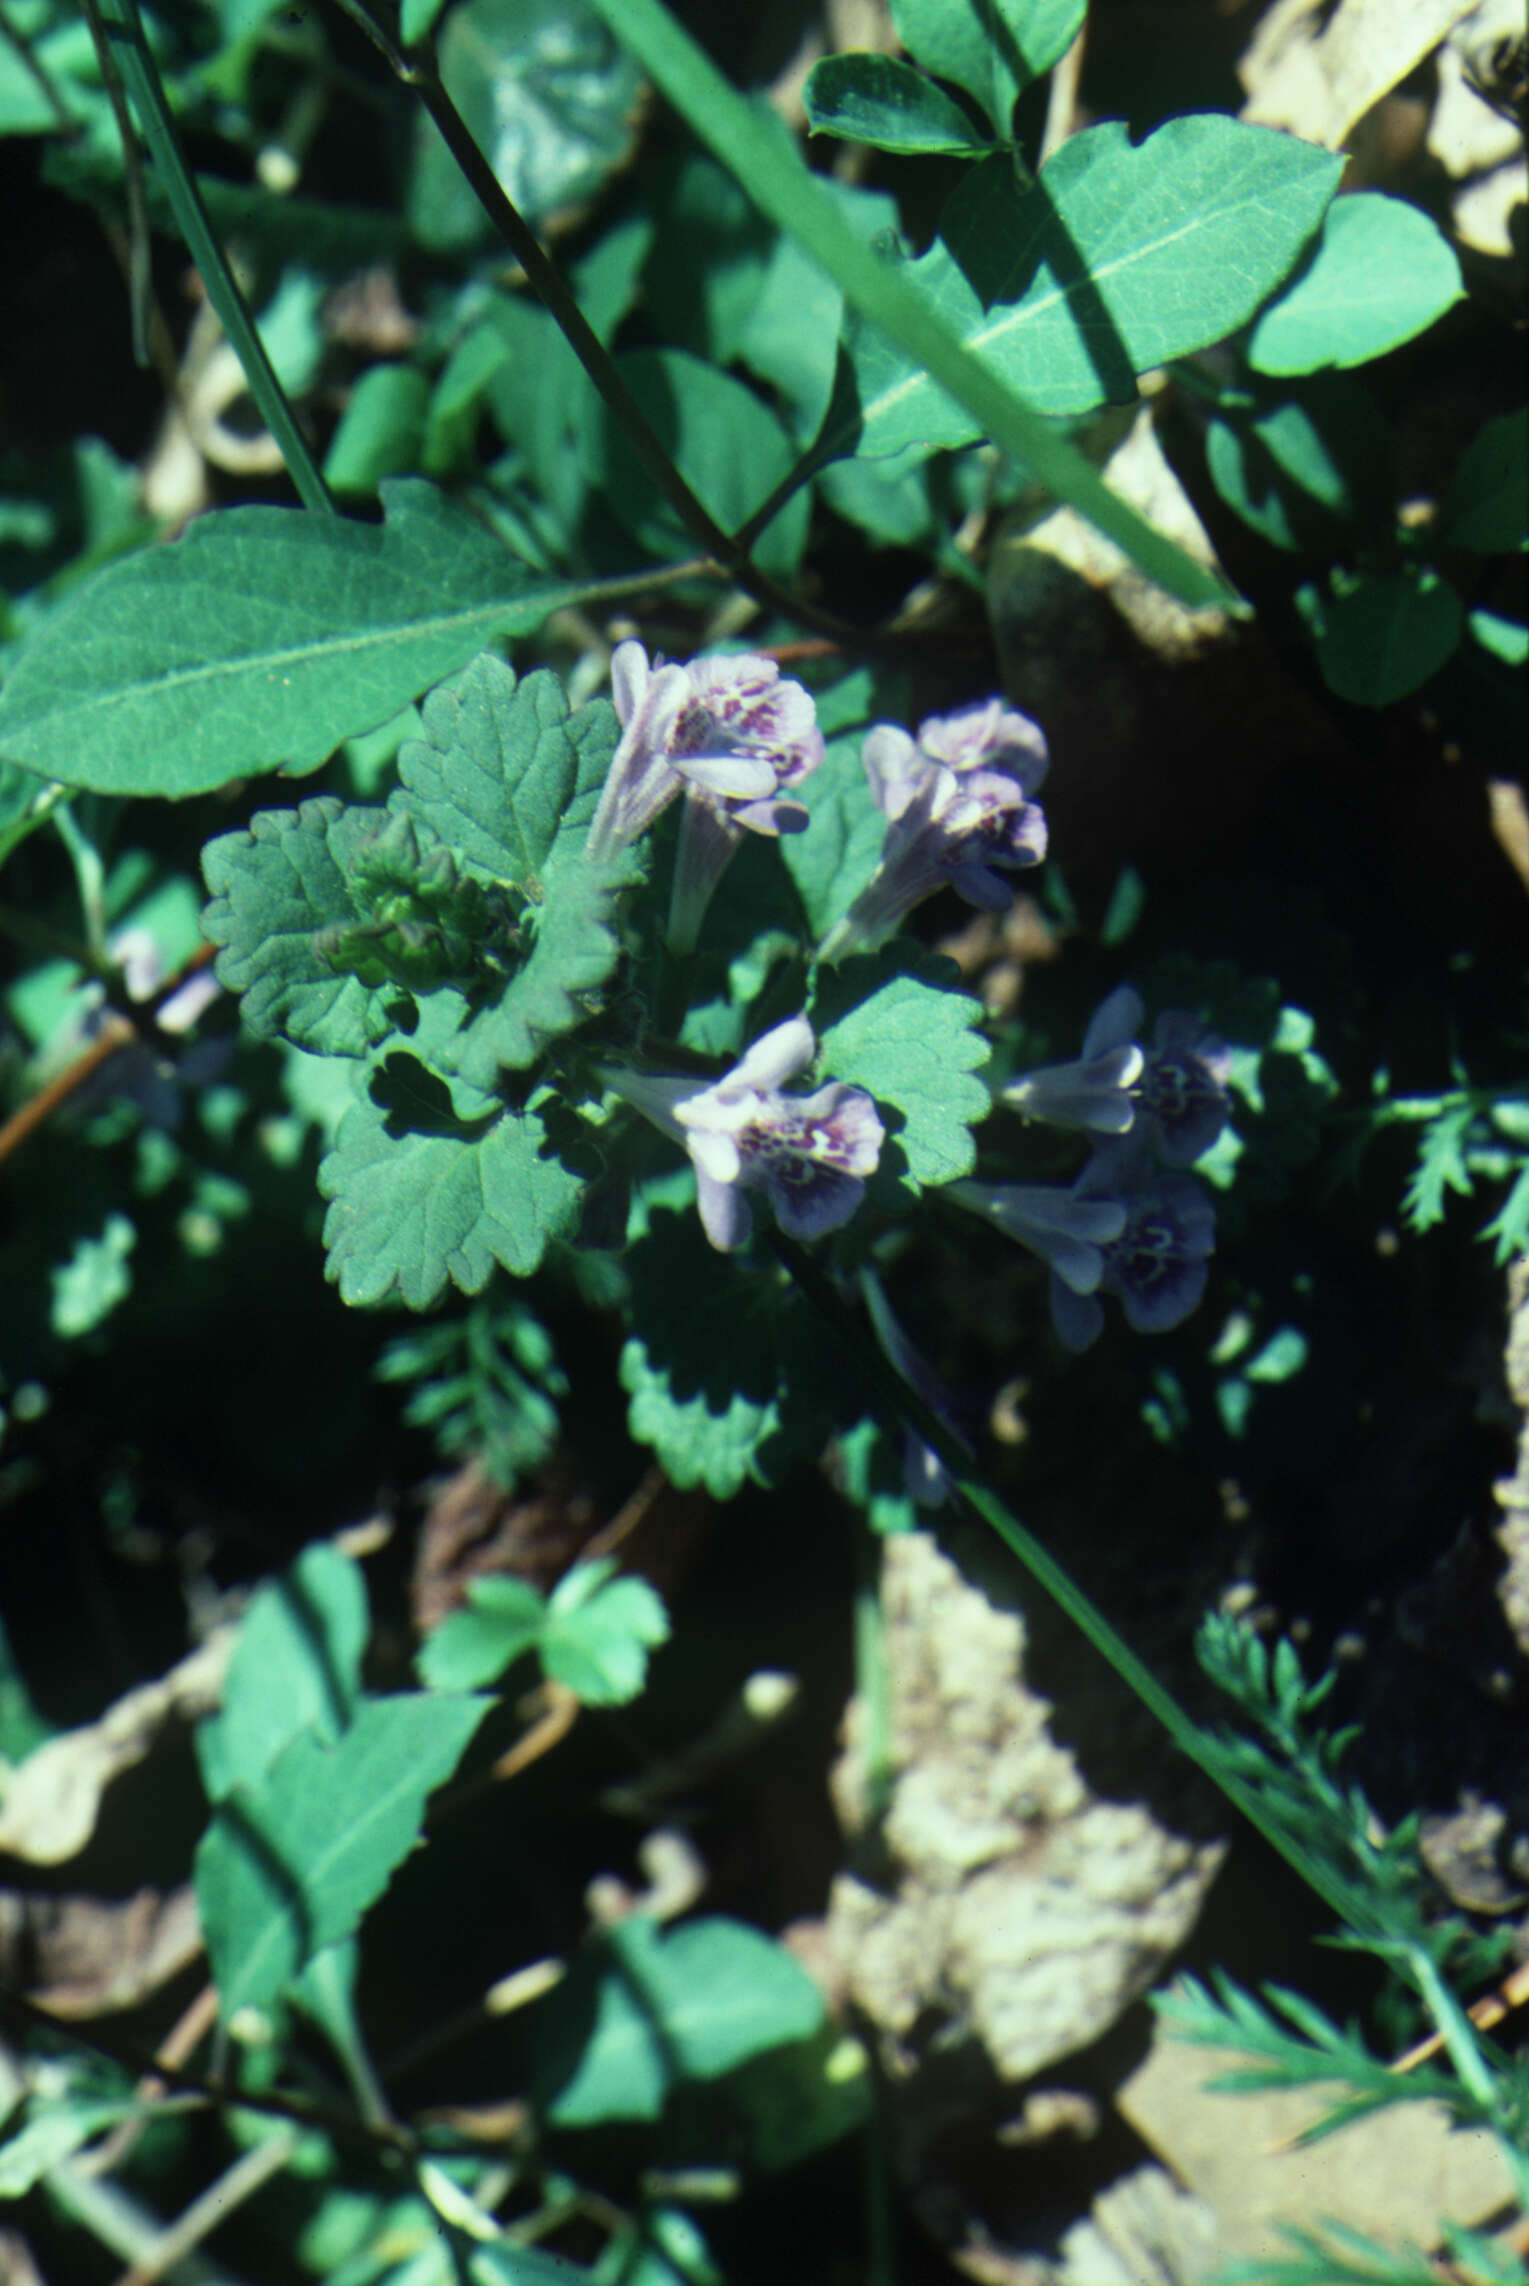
882,101
422,1196
731,1375
258,642
834,859
1120,257
276,888
993,49
509,780
1382,272
909,1039
289,1867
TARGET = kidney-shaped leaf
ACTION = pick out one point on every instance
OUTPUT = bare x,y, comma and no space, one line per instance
1118,257
1381,273
258,642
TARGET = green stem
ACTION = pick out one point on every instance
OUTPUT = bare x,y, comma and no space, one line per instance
125,28
783,189
871,1683
900,1408
90,881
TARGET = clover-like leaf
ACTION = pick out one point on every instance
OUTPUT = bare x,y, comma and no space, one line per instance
1119,257
731,1375
423,1195
599,1632
891,1023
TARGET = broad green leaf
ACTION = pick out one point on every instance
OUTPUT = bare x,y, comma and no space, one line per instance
1382,272
791,338
258,642
710,252
290,1865
910,1040
1119,257
599,1631
730,449
731,1375
501,1620
421,1197
879,100
1384,638
382,430
888,498
688,2005
992,48
1487,505
550,99
296,1668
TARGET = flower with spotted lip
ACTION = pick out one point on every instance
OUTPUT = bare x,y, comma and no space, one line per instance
1158,1263
809,1154
733,734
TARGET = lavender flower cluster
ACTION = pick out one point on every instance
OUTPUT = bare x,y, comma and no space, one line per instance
735,739
1136,1223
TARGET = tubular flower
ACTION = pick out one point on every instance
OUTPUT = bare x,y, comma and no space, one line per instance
1158,1264
1182,1092
1095,1092
732,734
809,1154
1067,1229
958,813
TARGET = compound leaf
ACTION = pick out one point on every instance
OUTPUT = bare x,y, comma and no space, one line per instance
289,1866
908,1039
1117,258
422,1197
258,642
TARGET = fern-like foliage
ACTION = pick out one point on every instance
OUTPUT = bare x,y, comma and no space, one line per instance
486,1383
1466,1137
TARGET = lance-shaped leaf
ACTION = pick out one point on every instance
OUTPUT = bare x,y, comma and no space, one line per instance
1118,257
326,915
289,1866
424,1194
889,1023
258,642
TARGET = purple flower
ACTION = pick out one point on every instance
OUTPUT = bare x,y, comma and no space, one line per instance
1182,1091
809,1154
1158,1263
1067,1229
1095,1092
958,813
733,734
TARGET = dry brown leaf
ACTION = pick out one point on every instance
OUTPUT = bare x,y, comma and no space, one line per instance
49,1804
1317,70
87,1956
